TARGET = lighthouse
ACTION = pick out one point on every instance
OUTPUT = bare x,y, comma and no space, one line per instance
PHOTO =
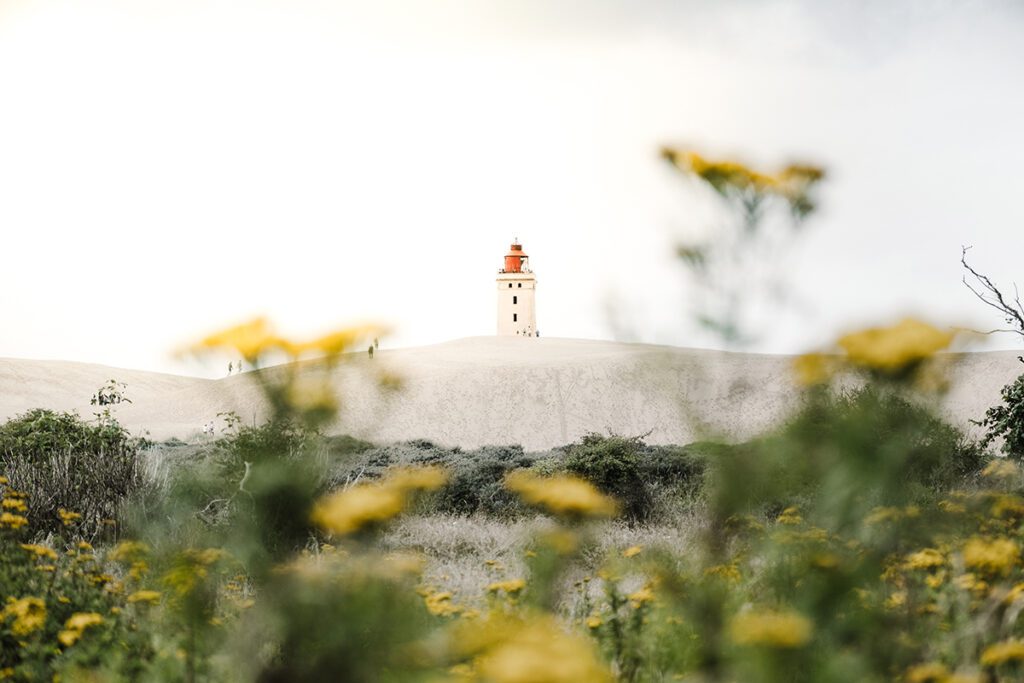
517,314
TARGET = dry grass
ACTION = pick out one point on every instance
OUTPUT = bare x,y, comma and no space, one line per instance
465,554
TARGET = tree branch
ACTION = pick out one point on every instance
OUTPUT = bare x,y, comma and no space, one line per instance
992,297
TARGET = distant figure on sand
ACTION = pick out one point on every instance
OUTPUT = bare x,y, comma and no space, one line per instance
375,342
370,351
231,366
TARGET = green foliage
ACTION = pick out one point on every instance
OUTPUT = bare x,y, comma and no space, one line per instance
476,482
847,452
613,465
61,461
1007,421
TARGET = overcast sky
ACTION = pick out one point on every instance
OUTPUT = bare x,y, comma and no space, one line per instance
167,168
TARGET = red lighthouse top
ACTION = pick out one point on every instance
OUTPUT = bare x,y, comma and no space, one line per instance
515,259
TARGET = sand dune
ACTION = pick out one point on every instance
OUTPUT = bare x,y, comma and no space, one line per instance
486,390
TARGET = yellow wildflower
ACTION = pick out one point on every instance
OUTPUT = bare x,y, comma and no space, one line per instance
631,551
1007,506
641,597
927,673
145,596
366,505
40,551
728,572
790,516
12,521
929,558
251,339
996,556
1015,593
440,604
67,517
561,495
511,586
779,629
76,626
534,649
128,551
80,621
1011,650
3,480
893,349
15,504
965,678
1001,468
883,514
813,369
594,621
29,615
896,600
971,582
356,508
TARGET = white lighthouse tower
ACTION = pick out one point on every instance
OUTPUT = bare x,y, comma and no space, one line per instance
517,313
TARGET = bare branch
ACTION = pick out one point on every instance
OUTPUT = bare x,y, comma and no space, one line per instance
992,297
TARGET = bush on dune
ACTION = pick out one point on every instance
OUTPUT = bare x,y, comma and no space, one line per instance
64,462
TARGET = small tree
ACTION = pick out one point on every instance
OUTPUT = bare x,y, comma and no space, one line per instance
1005,420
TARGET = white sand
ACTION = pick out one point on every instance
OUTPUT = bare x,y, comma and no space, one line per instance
494,390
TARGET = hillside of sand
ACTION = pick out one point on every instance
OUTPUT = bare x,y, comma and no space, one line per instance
539,393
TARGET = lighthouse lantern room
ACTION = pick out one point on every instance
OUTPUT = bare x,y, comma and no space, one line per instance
516,287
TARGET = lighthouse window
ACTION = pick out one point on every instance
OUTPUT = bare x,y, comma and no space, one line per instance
510,285
520,284
515,317
515,299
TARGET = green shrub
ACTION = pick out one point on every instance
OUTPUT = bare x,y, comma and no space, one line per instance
61,461
1007,421
476,482
901,450
614,465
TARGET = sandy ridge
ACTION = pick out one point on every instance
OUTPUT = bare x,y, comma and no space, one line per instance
484,390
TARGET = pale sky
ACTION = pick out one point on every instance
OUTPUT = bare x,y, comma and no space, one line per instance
170,167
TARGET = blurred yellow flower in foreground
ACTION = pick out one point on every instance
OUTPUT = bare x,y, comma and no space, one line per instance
929,558
145,596
40,551
257,337
531,649
995,556
927,673
791,183
1001,468
366,505
251,339
892,349
12,521
1007,651
76,625
813,368
511,586
780,629
561,495
632,551
29,615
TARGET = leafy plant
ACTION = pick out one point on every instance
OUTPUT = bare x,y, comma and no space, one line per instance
1006,420
61,461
